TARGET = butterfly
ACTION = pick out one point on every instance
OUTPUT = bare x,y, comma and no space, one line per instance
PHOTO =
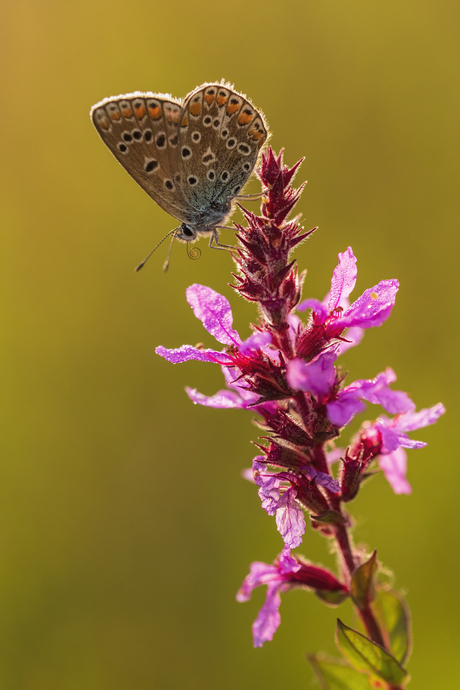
191,156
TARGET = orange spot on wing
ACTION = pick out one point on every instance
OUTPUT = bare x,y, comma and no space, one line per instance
209,98
115,115
155,112
232,108
256,134
126,112
221,100
140,111
104,124
184,122
245,119
195,109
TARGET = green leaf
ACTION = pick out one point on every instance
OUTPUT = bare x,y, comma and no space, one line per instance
333,674
362,583
393,616
333,598
369,657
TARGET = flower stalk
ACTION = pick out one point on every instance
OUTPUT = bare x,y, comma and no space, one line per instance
286,371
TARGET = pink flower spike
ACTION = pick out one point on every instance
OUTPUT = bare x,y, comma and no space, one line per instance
215,313
394,466
343,280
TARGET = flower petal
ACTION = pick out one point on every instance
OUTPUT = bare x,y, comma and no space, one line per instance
341,411
214,312
373,307
287,564
343,279
394,439
223,399
316,377
394,467
290,519
315,305
268,618
259,574
323,479
376,391
188,352
354,336
417,420
269,491
256,341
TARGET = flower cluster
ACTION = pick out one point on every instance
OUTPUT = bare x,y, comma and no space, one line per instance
286,371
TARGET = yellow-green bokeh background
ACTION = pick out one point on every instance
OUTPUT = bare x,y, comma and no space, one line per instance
125,527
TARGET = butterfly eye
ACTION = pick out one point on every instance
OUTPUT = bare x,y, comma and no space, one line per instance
187,232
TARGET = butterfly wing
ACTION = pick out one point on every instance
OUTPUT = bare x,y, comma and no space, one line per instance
220,136
141,130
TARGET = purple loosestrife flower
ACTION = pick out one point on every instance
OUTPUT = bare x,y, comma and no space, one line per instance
286,372
286,572
385,439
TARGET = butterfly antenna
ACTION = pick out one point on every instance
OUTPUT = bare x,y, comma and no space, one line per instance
142,264
166,263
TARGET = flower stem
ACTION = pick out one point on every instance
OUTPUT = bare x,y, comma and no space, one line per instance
366,614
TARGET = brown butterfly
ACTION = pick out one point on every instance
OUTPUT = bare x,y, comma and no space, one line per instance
191,156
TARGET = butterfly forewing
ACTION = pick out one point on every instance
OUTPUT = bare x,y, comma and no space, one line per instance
220,137
141,130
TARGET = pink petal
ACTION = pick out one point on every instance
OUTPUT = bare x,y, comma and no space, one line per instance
215,313
394,466
343,279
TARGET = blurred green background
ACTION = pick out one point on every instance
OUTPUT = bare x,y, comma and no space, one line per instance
125,527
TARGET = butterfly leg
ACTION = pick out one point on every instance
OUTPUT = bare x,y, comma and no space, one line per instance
214,241
250,197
